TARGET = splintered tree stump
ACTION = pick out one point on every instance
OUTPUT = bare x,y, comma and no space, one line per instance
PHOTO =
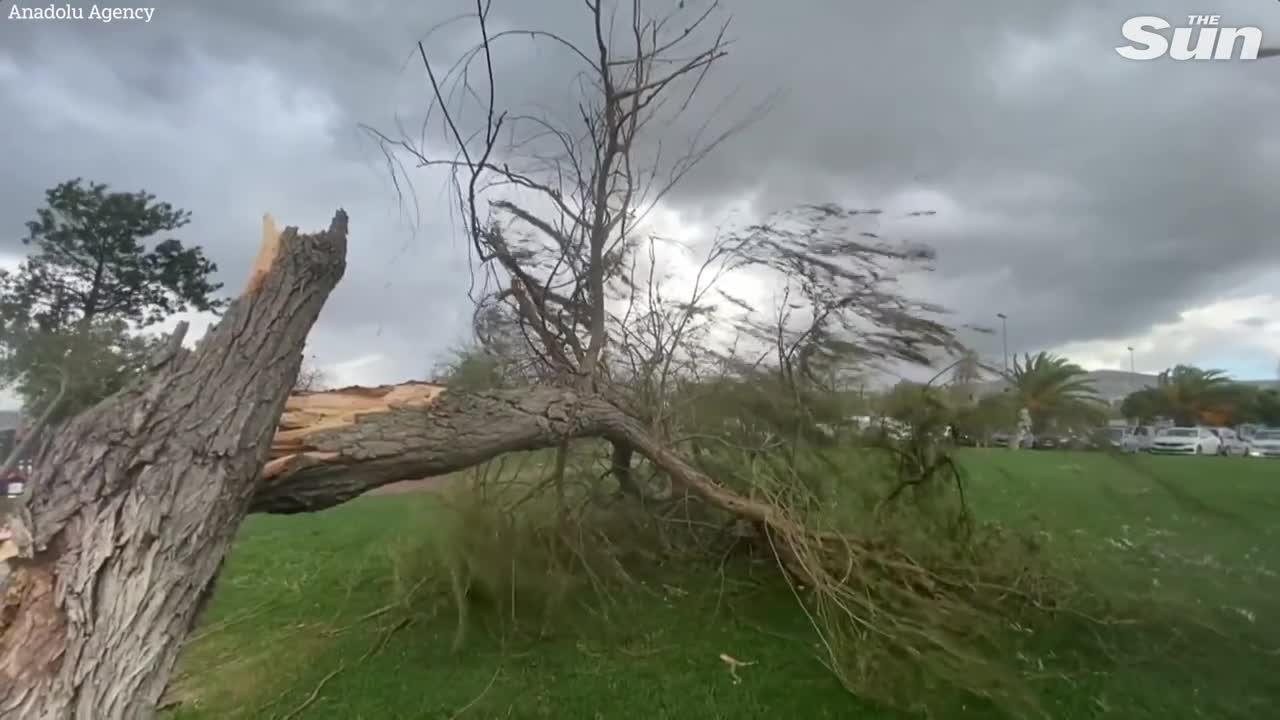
136,501
307,414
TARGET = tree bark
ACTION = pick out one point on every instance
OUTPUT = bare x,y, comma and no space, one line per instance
136,501
620,467
337,445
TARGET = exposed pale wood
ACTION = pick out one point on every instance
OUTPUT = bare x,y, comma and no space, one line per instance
267,253
432,432
309,413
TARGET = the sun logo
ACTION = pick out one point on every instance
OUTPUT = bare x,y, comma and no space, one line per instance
1212,42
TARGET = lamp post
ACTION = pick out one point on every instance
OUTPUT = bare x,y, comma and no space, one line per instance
1131,359
1004,337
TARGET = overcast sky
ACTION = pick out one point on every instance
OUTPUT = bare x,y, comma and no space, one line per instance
1099,202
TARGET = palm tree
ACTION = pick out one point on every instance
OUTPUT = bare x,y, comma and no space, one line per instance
1191,395
1056,391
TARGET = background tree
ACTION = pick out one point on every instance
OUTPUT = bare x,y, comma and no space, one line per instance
311,377
1144,405
1190,394
97,272
913,403
1058,392
992,413
1266,408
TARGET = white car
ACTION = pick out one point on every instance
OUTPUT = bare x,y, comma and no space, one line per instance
1185,441
1137,439
1265,443
1231,443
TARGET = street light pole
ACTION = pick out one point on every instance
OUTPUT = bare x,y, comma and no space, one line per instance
1131,360
1004,336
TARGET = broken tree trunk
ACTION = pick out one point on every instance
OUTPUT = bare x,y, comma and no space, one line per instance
336,445
136,501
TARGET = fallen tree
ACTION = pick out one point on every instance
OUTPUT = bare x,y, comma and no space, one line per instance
136,501
335,445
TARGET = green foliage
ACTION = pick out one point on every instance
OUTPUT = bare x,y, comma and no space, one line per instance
1266,408
1056,391
989,415
89,260
1144,405
95,274
917,404
905,591
97,360
1190,395
473,368
760,406
305,595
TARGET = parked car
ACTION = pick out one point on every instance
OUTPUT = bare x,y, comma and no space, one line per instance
1130,439
1060,441
1230,443
1185,441
1048,441
13,483
1113,438
1002,439
1141,437
1265,443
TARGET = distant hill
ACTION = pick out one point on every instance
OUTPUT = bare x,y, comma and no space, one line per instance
1116,385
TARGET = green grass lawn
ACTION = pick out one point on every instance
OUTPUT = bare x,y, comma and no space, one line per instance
300,625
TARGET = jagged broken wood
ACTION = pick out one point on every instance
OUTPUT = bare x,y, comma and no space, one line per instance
135,502
336,445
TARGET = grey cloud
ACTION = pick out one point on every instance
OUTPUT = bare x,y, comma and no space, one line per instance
1089,196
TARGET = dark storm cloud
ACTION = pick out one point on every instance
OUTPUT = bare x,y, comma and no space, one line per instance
1083,194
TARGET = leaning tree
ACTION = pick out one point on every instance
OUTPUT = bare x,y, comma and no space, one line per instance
135,501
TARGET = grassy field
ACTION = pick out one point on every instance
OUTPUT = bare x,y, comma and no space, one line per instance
300,625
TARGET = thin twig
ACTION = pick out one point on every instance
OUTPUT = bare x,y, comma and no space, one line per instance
229,622
477,698
386,637
314,693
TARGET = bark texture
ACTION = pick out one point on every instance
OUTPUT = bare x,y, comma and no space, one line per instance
136,501
336,445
